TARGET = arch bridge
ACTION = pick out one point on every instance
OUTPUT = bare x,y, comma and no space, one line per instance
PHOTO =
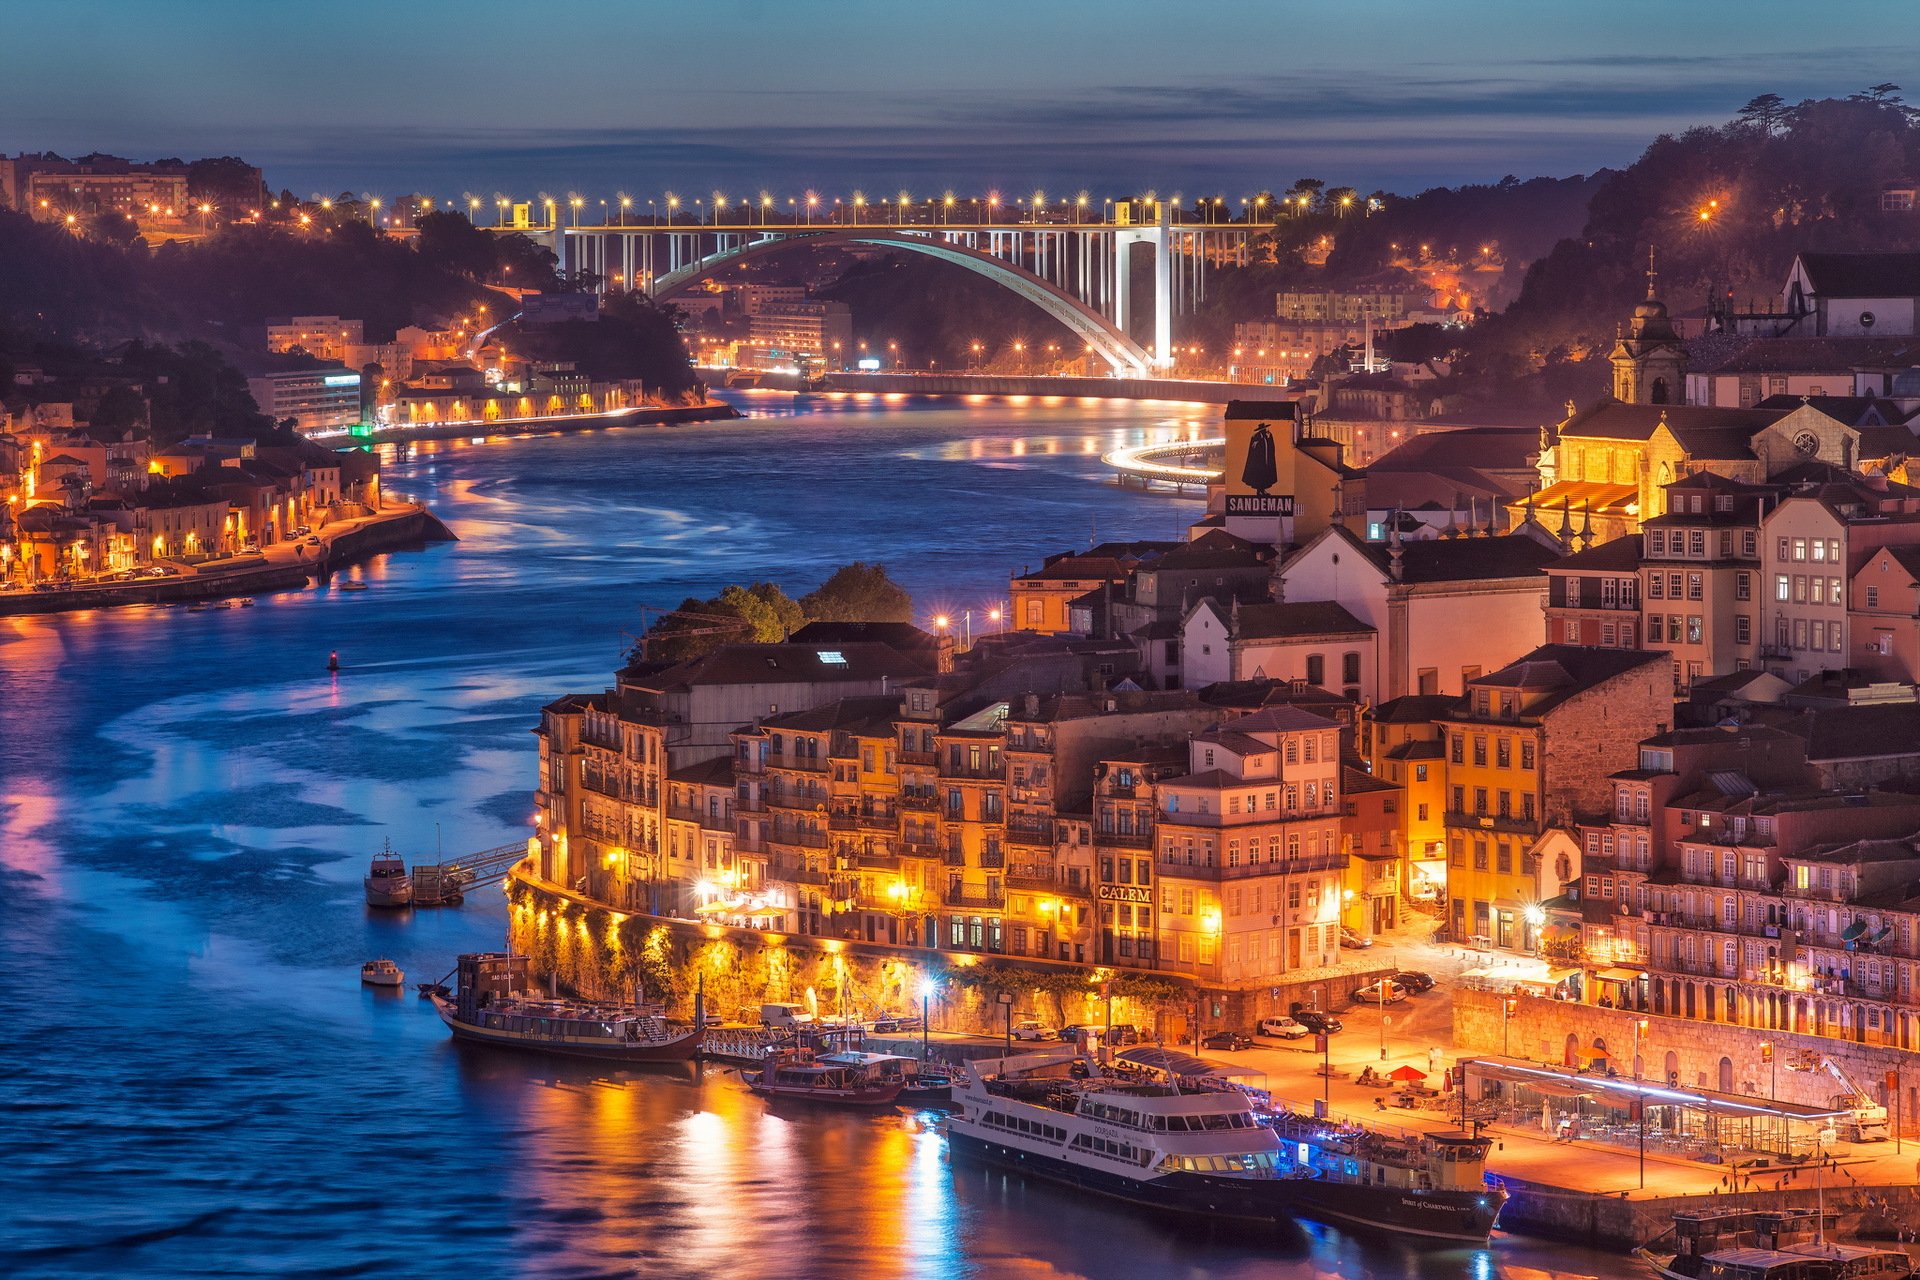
1081,274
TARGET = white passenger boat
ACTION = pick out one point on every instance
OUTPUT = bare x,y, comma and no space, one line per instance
1165,1130
387,882
382,973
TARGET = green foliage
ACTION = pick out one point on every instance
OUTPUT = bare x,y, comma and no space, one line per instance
858,592
764,614
634,337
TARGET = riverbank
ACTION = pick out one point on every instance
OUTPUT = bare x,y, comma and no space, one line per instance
711,411
1179,390
285,566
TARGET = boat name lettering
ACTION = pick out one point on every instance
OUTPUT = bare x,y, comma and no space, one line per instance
1125,893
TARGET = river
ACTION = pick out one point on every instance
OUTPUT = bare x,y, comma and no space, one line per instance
195,1082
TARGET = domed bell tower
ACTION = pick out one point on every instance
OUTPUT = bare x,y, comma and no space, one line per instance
1650,361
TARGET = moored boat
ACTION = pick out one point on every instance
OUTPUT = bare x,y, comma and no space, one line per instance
1164,1130
387,882
1765,1244
847,1079
382,973
486,1007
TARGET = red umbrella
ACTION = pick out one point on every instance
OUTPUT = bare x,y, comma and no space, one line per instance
1408,1074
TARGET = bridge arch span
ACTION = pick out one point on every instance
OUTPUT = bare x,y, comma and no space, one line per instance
1122,354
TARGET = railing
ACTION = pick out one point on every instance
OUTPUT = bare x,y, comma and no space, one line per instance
795,872
801,764
742,804
1510,823
1124,839
954,857
842,822
877,821
973,773
793,800
1044,884
804,838
920,843
1317,862
878,861
968,898
993,858
1029,834
919,801
916,757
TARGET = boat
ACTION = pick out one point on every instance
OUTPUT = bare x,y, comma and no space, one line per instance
382,973
1765,1244
918,1082
487,1007
1169,1131
387,882
353,586
847,1078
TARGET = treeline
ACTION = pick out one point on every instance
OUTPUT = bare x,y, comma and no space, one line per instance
763,613
1723,209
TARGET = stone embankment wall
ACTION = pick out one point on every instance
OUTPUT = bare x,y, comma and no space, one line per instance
1544,1030
599,953
1614,1222
711,411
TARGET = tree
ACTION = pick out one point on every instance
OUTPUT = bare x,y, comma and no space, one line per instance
859,592
450,242
110,227
769,612
227,182
1765,111
119,409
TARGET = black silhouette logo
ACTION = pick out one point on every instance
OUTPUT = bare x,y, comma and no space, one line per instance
1260,472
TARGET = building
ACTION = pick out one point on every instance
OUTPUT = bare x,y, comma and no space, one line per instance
1811,545
1701,575
51,189
1041,599
1442,610
1853,294
320,401
1404,746
1530,748
323,337
1249,858
1317,641
806,337
1883,615
1593,596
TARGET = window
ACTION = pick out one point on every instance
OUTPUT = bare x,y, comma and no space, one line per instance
1316,669
1780,590
1742,629
1419,775
1873,597
1696,538
1800,549
1350,668
1693,628
1657,542
1503,753
1526,753
1480,749
1656,586
1749,543
1694,588
1455,748
1743,586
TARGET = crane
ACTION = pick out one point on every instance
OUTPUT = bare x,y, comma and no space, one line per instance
1867,1119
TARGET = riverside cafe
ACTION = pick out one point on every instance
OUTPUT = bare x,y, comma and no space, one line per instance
1593,1104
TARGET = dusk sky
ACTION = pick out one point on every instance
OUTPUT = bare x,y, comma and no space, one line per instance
600,96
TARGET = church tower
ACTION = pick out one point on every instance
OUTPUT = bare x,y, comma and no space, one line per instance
1650,361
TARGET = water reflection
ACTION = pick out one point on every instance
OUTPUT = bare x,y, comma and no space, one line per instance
197,1083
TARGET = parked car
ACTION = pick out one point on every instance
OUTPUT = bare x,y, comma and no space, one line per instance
1034,1029
1318,1023
1349,938
1415,980
1386,991
1226,1040
315,541
1123,1033
1073,1032
302,531
1281,1028
889,1023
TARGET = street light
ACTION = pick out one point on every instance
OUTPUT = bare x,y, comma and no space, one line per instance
926,998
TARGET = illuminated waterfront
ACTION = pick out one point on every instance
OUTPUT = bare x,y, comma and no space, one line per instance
200,1086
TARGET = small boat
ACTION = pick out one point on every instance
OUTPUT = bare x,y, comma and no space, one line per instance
387,882
247,603
382,973
849,1079
333,660
486,1007
353,586
1765,1244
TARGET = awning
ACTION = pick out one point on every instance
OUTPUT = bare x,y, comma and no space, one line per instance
1558,932
1620,973
1560,972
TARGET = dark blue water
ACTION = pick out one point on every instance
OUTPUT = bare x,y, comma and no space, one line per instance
195,1083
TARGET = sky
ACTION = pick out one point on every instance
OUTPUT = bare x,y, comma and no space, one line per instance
601,97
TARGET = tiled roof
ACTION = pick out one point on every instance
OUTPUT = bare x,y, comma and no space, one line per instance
1800,355
1296,618
1613,420
1465,559
1855,732
1621,554
1279,719
1863,275
1414,708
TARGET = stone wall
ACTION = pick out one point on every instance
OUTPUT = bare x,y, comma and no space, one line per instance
1540,1029
602,954
1615,1222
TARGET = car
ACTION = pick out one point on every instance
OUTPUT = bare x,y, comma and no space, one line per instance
1386,991
1123,1033
302,531
315,541
1226,1040
1415,980
1349,938
1034,1029
1323,1024
889,1023
1281,1029
1073,1033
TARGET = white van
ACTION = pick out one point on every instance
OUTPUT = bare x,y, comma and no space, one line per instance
785,1017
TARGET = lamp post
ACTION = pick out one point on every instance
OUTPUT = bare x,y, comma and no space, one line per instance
926,1012
1006,1007
1507,1007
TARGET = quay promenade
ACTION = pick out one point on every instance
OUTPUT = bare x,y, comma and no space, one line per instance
283,566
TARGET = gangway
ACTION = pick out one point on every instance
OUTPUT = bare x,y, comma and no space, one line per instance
445,884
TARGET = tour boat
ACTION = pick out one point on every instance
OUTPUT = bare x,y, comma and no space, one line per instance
381,973
1162,1129
918,1082
1765,1244
850,1079
486,1008
387,881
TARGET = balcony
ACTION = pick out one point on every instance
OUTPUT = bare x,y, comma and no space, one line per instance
920,801
1510,823
1248,870
1123,839
877,820
916,757
920,845
798,764
973,898
798,836
878,861
953,857
975,773
993,858
842,821
795,872
1027,832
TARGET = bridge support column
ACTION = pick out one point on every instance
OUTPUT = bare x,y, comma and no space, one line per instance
1163,288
